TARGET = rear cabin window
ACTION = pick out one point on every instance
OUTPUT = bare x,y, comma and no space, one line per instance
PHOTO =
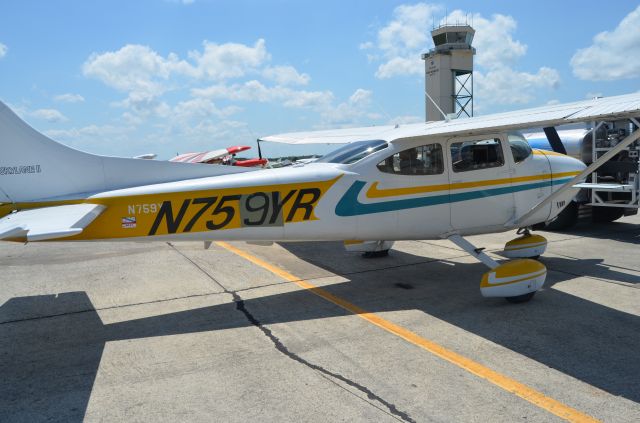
423,160
476,155
519,148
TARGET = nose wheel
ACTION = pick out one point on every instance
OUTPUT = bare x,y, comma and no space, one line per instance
525,246
520,298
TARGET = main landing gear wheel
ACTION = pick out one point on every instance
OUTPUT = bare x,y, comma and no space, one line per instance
521,298
517,280
375,254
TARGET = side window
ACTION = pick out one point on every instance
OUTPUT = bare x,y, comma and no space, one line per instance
423,160
476,155
519,148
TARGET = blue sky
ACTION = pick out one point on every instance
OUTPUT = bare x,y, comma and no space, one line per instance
131,77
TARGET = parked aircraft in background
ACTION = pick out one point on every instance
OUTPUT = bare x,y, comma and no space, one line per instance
442,179
225,156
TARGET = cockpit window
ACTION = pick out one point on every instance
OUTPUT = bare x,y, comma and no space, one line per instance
353,152
519,147
423,160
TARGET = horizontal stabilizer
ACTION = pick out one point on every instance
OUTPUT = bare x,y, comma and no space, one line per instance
49,222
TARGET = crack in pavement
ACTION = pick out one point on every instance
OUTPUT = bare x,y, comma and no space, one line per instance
393,411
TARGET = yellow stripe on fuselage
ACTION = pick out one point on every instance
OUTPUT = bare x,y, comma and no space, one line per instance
375,192
548,153
197,211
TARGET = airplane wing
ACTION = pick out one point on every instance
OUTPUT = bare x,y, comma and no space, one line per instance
608,108
332,136
206,156
49,222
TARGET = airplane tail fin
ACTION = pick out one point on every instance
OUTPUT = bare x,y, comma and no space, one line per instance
33,167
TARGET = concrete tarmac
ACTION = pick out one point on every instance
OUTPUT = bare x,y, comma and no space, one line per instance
173,332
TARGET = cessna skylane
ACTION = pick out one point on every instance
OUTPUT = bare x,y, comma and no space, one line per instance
432,180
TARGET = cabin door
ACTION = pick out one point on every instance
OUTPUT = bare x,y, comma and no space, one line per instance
480,188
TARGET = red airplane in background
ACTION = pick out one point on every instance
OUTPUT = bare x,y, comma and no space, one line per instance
225,156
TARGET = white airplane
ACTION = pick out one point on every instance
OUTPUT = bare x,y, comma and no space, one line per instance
442,179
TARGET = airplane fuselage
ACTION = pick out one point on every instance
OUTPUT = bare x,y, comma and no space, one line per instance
373,198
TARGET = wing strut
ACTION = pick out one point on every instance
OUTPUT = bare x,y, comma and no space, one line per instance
591,168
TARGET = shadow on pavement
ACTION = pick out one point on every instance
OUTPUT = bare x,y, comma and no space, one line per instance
49,364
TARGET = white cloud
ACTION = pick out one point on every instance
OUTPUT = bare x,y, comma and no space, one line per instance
403,39
134,68
347,113
101,139
497,81
139,69
400,66
409,30
366,45
351,111
90,131
230,60
3,50
200,108
69,98
50,115
504,85
406,119
361,97
256,91
493,39
613,54
145,75
219,78
286,75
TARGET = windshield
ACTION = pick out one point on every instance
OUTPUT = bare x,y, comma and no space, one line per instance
519,147
353,152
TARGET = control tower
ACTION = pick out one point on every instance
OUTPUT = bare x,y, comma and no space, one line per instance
449,72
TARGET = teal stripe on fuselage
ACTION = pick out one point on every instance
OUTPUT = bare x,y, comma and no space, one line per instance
350,206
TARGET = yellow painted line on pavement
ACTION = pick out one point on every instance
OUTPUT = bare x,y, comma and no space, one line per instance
508,384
